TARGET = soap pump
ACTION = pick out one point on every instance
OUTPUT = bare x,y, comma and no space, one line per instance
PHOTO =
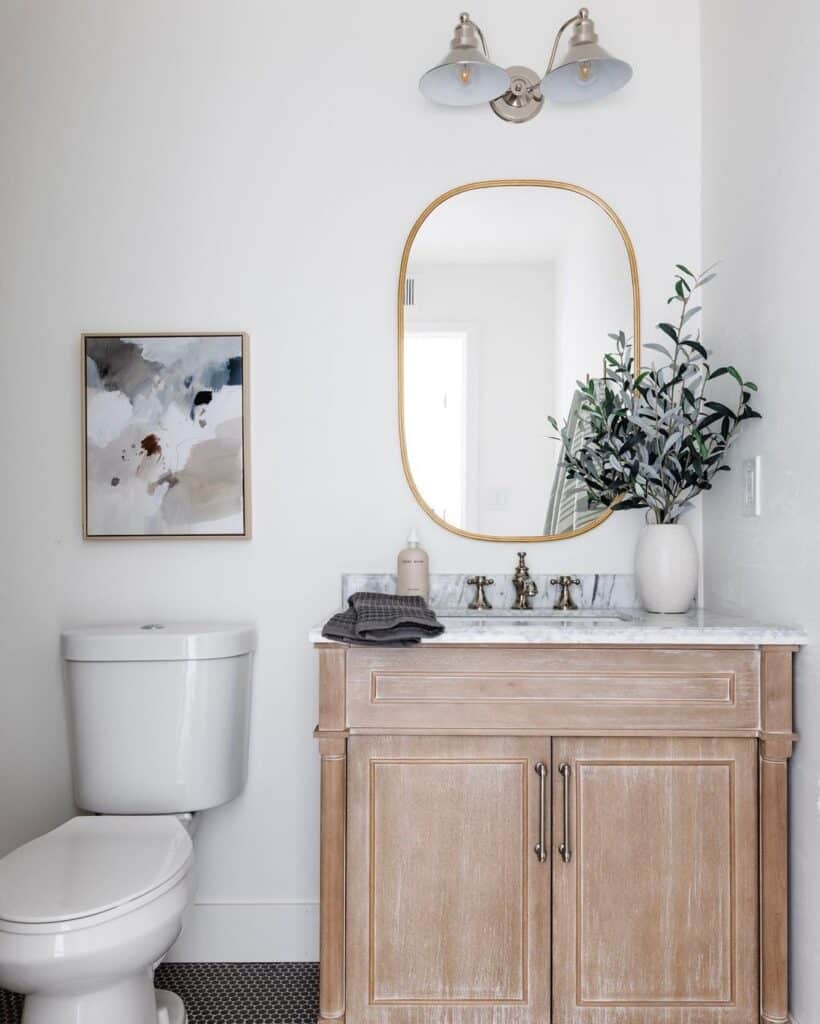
413,570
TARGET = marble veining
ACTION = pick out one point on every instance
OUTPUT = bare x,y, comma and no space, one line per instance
692,628
450,590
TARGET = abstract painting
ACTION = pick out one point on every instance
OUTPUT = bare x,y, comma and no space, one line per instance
166,426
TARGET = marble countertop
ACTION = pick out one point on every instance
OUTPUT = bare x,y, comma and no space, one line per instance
603,626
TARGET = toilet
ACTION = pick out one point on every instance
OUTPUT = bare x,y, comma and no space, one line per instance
159,718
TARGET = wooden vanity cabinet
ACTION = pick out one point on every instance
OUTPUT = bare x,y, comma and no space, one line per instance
661,894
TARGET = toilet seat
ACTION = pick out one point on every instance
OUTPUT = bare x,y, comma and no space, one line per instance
91,866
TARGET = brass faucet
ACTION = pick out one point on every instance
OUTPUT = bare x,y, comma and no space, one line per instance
480,602
525,587
564,602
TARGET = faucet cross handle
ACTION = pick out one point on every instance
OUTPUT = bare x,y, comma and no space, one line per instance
564,601
480,602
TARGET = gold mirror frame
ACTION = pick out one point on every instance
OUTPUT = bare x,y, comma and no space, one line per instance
405,258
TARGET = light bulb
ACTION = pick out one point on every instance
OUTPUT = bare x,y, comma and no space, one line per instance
585,72
465,74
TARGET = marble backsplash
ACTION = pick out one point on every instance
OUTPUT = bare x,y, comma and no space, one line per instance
450,590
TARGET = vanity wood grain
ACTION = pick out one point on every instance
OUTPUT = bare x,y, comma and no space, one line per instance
553,690
663,834
462,812
673,907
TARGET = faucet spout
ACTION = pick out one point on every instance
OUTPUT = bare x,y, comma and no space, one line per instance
525,586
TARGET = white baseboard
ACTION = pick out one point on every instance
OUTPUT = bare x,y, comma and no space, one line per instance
217,932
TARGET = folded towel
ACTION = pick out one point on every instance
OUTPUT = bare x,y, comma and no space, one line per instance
383,619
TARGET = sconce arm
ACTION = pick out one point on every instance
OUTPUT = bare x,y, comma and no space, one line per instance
561,31
483,41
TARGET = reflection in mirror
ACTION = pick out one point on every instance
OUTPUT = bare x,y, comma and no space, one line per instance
509,296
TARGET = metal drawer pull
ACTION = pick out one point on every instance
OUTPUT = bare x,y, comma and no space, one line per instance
563,848
541,845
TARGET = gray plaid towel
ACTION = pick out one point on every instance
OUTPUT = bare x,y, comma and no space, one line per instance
383,619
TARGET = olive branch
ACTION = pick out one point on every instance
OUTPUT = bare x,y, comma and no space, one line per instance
656,437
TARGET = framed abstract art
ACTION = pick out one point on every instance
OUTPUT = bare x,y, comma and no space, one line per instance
165,435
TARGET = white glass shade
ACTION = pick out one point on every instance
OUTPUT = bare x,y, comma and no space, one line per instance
587,73
463,79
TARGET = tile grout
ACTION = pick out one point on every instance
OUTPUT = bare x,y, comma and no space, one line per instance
228,993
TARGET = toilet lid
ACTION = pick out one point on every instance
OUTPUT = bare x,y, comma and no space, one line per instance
90,865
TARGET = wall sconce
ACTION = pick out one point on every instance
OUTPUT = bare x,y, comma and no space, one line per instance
467,76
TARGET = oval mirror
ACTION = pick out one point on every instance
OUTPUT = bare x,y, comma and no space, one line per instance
508,293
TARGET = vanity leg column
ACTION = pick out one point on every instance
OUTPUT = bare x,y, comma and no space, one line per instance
777,742
774,890
332,882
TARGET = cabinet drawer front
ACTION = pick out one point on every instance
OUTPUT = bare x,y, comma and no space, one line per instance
553,689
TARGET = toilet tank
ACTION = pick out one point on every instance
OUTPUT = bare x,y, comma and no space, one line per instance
159,715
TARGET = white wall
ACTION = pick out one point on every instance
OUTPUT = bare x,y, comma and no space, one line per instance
594,299
202,164
761,147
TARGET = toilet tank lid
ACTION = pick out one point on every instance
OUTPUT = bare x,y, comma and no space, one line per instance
157,641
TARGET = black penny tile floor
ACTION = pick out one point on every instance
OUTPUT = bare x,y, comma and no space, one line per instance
228,993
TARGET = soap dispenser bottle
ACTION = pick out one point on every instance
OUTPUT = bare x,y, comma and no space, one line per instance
413,570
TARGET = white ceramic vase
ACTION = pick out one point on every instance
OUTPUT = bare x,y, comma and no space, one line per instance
666,568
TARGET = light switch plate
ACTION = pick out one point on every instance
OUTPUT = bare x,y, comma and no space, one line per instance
751,486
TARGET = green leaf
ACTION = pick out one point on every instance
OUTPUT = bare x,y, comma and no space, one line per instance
684,269
670,330
707,421
696,347
733,373
724,410
629,503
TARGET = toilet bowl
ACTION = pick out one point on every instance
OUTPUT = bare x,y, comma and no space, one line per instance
159,717
85,913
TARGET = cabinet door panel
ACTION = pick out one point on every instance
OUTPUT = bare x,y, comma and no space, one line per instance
448,905
655,914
